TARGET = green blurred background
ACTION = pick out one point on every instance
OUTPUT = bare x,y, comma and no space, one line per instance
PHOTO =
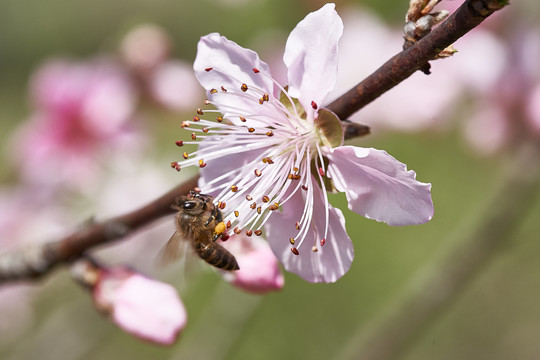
496,316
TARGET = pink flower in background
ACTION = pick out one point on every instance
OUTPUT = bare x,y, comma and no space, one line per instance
143,307
259,270
81,110
274,153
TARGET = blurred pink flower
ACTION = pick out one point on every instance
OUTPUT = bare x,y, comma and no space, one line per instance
81,111
145,47
279,149
143,307
259,270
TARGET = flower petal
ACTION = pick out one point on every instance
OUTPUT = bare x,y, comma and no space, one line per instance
331,261
231,66
311,56
380,187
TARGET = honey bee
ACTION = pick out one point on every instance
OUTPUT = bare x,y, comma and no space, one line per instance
200,223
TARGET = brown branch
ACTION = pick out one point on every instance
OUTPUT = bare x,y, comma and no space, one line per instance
469,15
40,259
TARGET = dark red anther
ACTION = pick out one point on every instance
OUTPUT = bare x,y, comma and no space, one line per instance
295,251
179,143
256,71
208,69
314,105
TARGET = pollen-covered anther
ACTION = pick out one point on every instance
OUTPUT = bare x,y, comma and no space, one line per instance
199,111
264,98
259,210
179,143
258,232
314,105
219,118
234,188
175,166
250,129
244,87
208,69
213,91
185,124
249,198
185,155
257,172
229,224
314,248
297,225
237,230
193,136
295,169
256,71
223,89
323,241
221,205
205,129
295,251
236,213
267,160
249,232
202,163
265,199
242,119
273,207
291,240
253,206
270,133
196,118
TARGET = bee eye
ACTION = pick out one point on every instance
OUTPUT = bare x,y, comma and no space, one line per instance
189,205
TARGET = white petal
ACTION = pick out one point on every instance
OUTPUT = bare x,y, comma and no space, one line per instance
331,261
311,56
380,187
232,66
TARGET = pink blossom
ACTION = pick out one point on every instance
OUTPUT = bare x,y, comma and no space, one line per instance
278,152
81,109
259,270
143,307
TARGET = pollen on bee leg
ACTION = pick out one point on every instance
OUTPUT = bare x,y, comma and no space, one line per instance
220,228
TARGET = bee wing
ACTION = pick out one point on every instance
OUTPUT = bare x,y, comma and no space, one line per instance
174,249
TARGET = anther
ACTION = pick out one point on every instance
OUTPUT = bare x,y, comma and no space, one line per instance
273,207
304,187
242,119
206,102
259,210
179,143
221,205
229,224
185,124
244,87
199,111
297,225
196,118
236,213
213,91
314,248
253,205
291,240
314,105
258,172
237,230
234,188
265,199
270,133
249,198
219,118
295,251
258,232
193,136
249,232
223,89
323,241
321,171
202,163
295,169
256,71
185,155
208,69
251,129
266,97
175,166
204,129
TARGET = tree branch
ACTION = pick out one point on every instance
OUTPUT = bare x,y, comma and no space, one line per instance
34,261
469,15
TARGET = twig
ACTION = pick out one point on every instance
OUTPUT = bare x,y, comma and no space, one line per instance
439,285
40,259
469,15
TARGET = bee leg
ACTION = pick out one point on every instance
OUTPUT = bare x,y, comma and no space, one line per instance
217,236
210,219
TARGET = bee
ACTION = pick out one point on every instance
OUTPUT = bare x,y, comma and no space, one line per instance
200,223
